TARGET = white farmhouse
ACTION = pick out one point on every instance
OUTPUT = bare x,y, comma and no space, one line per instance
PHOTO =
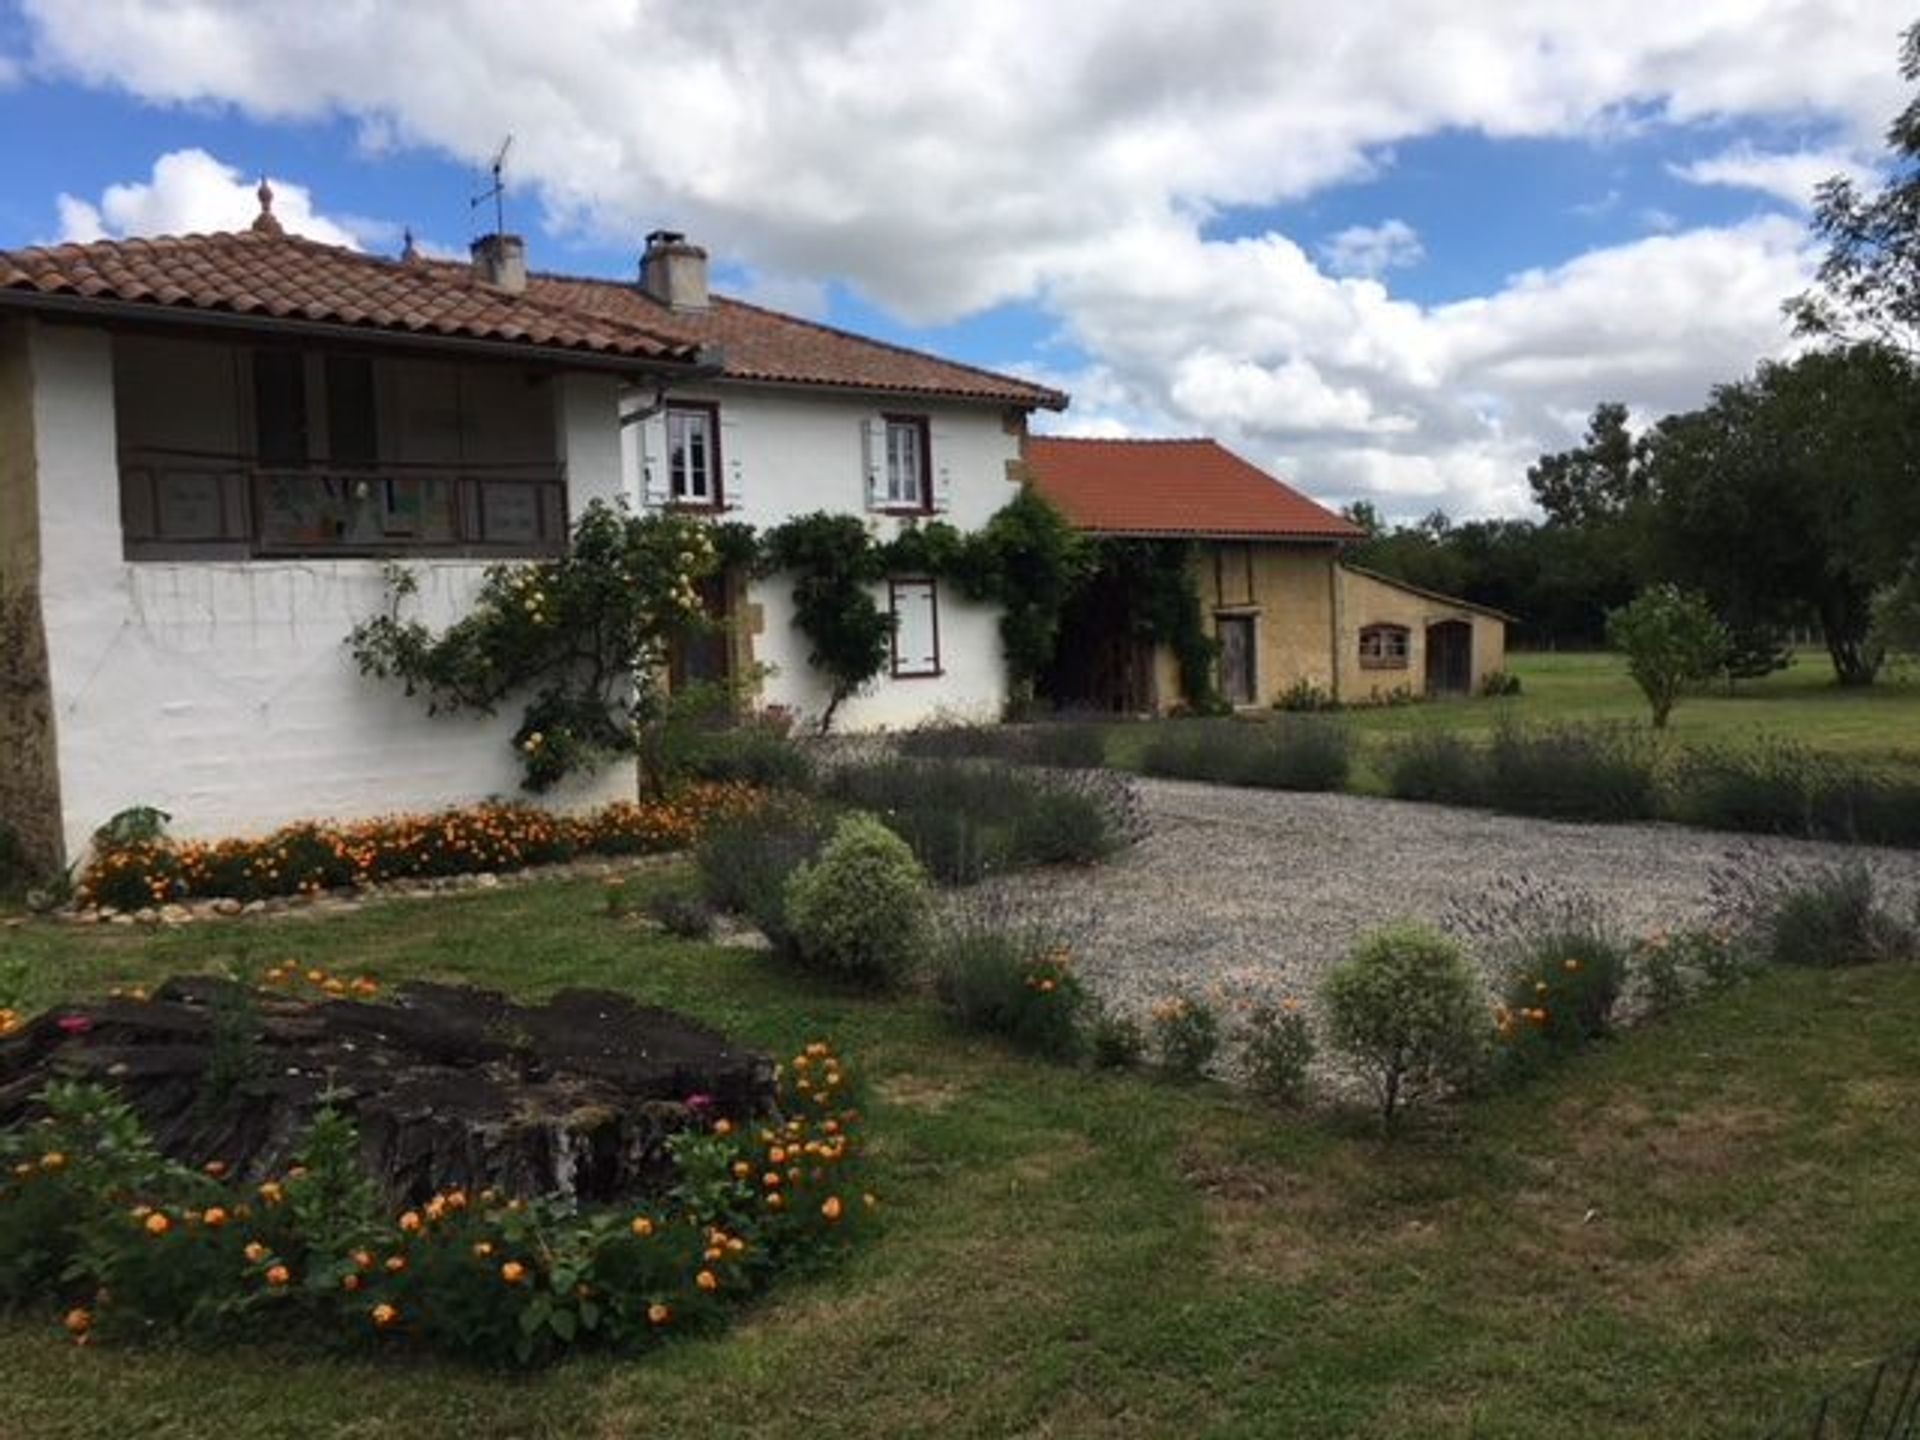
211,445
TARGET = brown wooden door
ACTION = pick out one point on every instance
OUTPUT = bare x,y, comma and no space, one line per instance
1237,680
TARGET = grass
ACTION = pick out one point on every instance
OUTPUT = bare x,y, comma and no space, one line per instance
1878,725
1680,1233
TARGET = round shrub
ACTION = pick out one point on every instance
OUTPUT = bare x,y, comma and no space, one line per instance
862,908
1407,1009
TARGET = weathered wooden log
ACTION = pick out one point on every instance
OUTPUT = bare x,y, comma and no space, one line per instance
449,1086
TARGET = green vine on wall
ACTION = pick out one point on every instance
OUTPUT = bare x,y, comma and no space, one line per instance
585,633
1157,576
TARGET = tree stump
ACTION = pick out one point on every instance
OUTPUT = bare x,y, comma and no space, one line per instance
450,1086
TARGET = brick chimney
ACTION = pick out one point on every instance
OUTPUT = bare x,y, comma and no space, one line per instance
501,261
674,272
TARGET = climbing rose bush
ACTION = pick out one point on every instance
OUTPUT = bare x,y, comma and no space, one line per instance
117,1240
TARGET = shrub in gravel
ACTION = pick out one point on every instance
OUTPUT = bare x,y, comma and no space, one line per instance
1820,916
1438,767
1832,917
1115,1040
1277,1051
1767,788
753,753
1409,1012
746,860
1281,752
1186,1036
1013,979
860,910
1059,744
968,819
681,909
1561,960
1573,772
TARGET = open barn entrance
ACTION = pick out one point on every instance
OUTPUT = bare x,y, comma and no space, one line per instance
1449,657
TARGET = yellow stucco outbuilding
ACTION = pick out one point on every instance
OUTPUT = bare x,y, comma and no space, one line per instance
1283,608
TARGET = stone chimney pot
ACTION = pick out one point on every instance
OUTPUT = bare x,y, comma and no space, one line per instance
674,272
501,261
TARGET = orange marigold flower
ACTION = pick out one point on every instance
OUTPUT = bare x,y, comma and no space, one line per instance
79,1321
215,1217
396,1263
830,1207
158,1223
278,1275
659,1314
642,1226
410,1221
723,1126
384,1315
272,1193
53,1160
707,1280
513,1272
215,1168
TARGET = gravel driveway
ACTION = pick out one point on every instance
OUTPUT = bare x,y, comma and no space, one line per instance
1258,891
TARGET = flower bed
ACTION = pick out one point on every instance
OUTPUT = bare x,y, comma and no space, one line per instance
127,1242
310,856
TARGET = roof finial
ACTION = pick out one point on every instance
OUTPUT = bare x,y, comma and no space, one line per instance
265,223
409,252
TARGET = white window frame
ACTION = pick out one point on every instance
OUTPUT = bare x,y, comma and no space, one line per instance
906,484
687,485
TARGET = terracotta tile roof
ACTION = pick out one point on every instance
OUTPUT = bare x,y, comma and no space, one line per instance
263,274
765,345
1174,487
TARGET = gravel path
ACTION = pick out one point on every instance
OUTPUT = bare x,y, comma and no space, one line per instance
1258,891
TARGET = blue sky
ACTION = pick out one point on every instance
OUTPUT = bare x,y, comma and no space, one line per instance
1392,260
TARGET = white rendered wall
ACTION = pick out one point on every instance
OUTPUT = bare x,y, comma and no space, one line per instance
222,692
787,453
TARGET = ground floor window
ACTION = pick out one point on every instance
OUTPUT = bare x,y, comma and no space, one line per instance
915,606
1383,647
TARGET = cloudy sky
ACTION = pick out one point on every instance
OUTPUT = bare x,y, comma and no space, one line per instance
1392,250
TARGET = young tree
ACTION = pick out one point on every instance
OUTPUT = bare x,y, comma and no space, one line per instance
1672,640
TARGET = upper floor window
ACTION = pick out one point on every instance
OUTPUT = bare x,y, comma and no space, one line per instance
907,462
693,454
1383,647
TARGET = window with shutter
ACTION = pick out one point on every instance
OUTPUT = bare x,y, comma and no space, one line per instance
908,470
693,454
916,627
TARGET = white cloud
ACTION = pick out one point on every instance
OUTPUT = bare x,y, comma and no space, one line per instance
189,192
1373,249
949,155
1791,176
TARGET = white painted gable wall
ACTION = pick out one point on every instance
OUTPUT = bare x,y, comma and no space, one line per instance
221,692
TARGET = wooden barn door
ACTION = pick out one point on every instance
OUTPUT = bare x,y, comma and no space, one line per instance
1237,679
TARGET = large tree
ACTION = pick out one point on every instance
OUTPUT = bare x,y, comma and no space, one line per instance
1595,481
1869,284
1785,495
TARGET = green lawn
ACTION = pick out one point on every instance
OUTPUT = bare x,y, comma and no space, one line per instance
1879,724
1679,1235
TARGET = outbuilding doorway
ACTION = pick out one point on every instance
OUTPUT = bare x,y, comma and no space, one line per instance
1450,657
1238,682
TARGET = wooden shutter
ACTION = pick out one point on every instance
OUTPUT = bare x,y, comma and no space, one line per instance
655,485
733,479
873,440
916,628
940,442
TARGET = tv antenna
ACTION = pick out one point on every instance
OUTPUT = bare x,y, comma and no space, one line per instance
497,191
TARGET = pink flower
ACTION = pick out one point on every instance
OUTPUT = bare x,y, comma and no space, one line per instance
698,1103
75,1024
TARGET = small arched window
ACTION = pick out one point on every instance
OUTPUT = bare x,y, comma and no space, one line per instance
1383,647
